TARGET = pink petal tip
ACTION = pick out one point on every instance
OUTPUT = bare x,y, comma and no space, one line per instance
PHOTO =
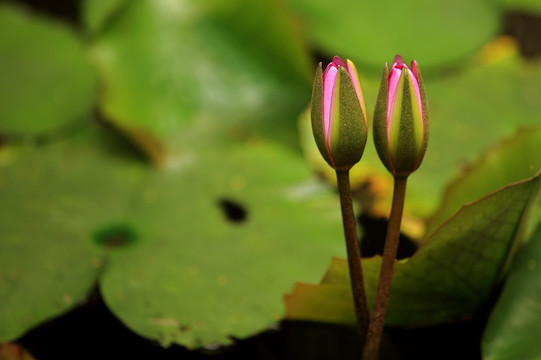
398,62
337,61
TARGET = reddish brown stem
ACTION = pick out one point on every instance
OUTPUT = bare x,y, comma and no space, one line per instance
354,254
377,320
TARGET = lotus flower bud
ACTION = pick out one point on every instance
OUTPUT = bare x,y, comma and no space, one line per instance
401,118
338,114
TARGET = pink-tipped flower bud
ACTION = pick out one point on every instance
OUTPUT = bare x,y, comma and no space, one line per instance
401,119
338,114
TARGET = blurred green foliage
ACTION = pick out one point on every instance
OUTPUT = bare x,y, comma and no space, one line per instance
47,81
425,30
123,136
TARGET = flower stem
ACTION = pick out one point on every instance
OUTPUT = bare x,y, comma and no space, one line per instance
381,301
354,254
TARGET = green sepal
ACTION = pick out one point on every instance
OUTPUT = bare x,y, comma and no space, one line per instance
405,152
426,114
380,120
413,129
348,147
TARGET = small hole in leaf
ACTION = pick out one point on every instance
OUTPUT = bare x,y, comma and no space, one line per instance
233,211
183,328
115,236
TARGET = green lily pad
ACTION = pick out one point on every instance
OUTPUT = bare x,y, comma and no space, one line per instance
195,254
174,73
201,277
47,82
446,280
513,327
373,32
53,199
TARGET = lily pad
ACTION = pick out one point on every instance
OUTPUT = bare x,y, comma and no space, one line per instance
446,280
174,72
513,327
53,199
373,32
47,82
200,277
195,254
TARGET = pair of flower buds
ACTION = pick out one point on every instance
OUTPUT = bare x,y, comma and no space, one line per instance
400,117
